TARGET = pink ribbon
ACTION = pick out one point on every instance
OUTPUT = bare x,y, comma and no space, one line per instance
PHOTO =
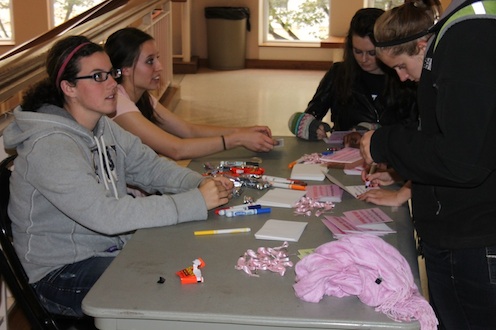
273,259
306,205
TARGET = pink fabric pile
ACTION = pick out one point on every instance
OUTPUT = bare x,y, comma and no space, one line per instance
366,266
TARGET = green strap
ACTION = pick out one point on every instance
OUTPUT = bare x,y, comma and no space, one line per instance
480,9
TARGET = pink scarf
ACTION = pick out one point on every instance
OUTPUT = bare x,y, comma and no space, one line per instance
366,266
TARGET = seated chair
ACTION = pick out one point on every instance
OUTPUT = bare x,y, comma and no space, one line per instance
14,275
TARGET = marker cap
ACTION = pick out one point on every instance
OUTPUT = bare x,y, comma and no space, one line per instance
263,210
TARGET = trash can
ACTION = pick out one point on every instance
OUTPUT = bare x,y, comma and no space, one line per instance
226,37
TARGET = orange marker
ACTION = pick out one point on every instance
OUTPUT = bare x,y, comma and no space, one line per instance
292,164
288,186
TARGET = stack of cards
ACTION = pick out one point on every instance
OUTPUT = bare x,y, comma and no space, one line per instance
325,193
371,221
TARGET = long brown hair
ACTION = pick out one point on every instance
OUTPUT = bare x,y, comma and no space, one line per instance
124,47
362,25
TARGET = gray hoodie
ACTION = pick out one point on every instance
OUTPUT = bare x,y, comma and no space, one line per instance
69,198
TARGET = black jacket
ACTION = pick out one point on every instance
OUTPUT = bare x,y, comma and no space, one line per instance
396,107
452,160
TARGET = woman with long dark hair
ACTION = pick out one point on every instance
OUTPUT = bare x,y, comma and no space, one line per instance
360,92
135,53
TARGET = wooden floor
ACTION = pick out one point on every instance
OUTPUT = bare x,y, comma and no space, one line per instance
246,97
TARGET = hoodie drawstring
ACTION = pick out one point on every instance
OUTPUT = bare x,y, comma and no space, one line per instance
109,177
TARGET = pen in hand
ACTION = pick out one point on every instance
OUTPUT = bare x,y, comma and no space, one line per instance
372,170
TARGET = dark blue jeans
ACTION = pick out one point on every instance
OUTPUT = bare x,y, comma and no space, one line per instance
462,286
63,290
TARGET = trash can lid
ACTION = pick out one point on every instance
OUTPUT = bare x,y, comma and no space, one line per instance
229,13
234,13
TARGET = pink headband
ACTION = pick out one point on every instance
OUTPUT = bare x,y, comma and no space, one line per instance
66,61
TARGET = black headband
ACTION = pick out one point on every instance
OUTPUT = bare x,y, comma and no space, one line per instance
432,29
403,40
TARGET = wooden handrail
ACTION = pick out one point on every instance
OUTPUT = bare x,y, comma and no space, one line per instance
88,15
25,65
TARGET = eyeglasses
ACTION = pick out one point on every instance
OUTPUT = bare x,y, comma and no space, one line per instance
101,76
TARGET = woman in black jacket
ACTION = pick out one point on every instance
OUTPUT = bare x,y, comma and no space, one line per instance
360,92
451,160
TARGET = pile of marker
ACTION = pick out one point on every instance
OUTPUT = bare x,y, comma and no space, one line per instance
240,210
261,182
240,168
278,182
251,175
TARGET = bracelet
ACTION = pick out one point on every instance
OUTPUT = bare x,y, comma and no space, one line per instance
223,142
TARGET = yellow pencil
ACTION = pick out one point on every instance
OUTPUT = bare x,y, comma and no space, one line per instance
222,231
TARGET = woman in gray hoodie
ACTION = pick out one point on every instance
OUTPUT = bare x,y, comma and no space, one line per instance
69,206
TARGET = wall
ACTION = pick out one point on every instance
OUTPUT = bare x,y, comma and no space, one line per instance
39,23
341,13
26,24
253,50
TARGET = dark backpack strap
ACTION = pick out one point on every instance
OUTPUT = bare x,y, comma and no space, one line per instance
474,10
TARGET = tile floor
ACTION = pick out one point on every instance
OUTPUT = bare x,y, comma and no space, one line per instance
246,97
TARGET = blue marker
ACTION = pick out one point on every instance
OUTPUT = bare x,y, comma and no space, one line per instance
236,213
238,208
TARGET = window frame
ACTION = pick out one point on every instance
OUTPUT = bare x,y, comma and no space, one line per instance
51,9
264,23
264,31
9,41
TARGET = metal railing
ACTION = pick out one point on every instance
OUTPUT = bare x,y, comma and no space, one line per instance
25,65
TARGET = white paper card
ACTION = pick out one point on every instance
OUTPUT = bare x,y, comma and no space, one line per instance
313,172
280,197
352,190
281,230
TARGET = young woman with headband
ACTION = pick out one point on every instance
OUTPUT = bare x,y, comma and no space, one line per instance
450,159
70,211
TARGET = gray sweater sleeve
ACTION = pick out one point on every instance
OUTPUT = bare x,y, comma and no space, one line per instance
64,177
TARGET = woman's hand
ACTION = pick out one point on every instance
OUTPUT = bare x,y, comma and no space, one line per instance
365,147
386,197
352,140
383,176
321,132
255,138
216,191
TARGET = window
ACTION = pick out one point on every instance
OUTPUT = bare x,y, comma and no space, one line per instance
304,20
63,10
384,4
296,20
6,21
